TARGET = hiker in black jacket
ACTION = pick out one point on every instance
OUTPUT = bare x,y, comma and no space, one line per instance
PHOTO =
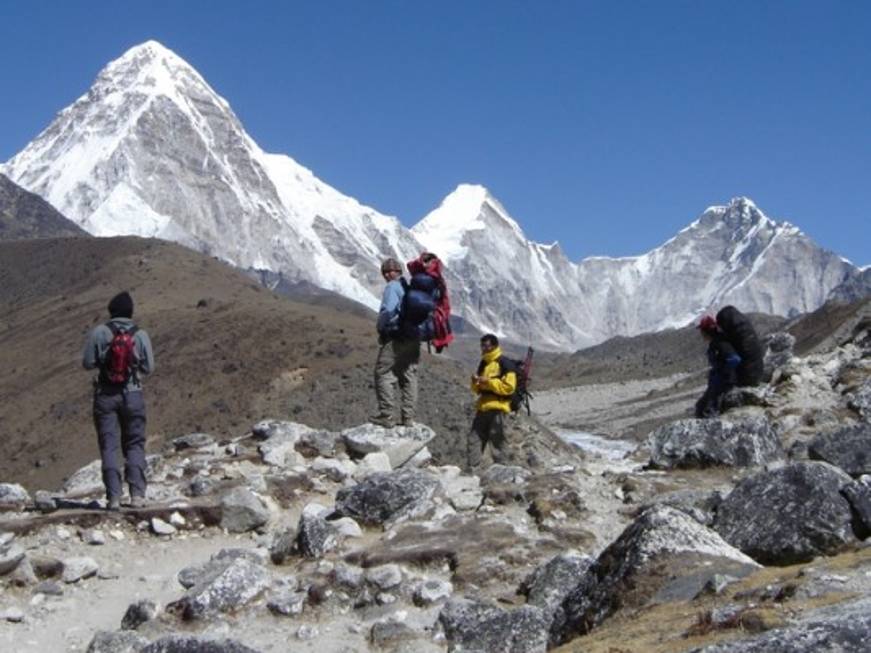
737,329
723,361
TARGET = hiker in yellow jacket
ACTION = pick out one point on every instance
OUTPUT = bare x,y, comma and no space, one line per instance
494,387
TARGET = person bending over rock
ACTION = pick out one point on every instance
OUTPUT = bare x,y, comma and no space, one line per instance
723,361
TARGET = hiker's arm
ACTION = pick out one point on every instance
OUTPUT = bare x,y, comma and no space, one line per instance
91,352
145,353
388,316
504,385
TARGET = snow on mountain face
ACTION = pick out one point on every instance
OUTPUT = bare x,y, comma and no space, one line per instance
152,150
730,255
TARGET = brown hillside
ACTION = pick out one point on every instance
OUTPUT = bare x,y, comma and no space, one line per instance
228,351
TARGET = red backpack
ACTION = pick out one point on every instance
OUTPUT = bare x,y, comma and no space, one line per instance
121,355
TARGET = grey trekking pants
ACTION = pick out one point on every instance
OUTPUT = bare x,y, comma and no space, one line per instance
488,428
396,364
120,421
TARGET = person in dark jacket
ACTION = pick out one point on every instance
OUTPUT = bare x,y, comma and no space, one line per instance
723,361
119,408
738,330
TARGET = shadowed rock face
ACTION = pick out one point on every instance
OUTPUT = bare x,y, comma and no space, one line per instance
25,215
705,443
848,448
478,626
664,552
788,515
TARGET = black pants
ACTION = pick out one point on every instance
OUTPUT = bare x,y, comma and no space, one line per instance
120,421
488,428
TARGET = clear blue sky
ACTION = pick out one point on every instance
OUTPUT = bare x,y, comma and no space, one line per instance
607,126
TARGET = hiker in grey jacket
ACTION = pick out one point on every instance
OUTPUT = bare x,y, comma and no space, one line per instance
119,408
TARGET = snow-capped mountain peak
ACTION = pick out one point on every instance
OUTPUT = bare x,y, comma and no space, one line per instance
152,150
470,207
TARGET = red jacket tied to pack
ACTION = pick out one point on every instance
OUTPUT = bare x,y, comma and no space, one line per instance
430,265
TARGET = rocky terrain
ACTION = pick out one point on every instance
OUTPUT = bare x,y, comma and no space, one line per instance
741,533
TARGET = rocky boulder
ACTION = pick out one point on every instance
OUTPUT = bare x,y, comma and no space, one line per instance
860,400
13,497
788,515
778,352
699,443
478,626
858,493
194,644
400,443
122,641
549,585
848,448
242,510
223,591
845,628
315,535
388,497
664,555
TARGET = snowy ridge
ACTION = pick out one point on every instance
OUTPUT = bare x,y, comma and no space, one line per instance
731,254
152,150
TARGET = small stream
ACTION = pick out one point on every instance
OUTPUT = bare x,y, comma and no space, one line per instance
605,448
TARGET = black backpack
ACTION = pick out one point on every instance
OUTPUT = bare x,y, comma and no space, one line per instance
522,369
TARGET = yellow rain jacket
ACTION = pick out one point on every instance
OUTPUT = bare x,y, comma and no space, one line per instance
495,392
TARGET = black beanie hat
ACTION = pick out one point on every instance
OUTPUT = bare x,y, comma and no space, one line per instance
121,305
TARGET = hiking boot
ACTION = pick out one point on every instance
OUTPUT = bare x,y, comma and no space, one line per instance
137,502
113,504
382,420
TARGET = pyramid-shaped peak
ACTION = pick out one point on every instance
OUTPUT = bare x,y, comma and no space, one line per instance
149,53
151,68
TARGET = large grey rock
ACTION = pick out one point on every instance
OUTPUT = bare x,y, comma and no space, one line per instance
315,536
848,448
843,628
549,585
691,443
195,644
387,497
701,505
226,590
267,429
283,546
788,515
860,400
664,555
192,441
778,352
400,443
194,574
13,497
858,493
478,626
122,641
11,556
138,613
76,569
242,510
